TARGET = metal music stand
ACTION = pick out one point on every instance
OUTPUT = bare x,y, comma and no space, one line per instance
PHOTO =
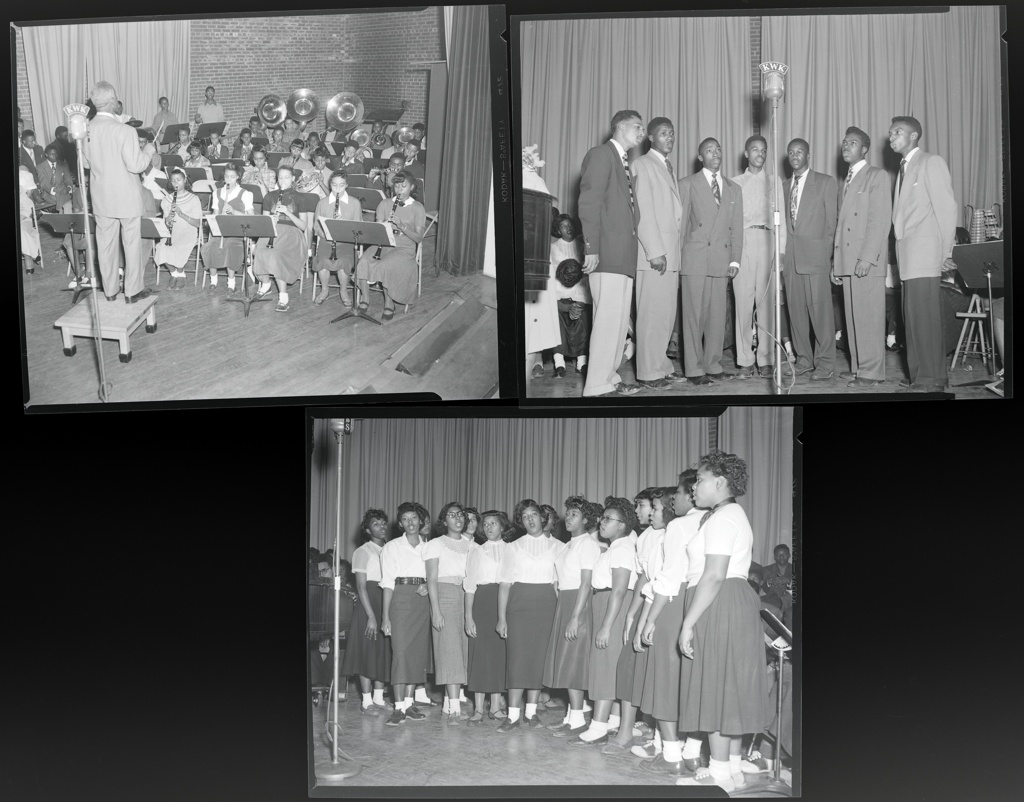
370,198
274,159
358,233
386,116
171,133
359,181
203,132
218,168
261,141
197,174
149,230
246,226
70,224
981,263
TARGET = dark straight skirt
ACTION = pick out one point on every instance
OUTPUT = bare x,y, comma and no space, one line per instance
451,644
410,636
568,662
660,696
629,676
365,656
604,662
530,615
725,688
487,650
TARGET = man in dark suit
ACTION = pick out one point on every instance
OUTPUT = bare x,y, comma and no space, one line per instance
55,180
609,216
811,201
31,153
924,221
712,247
66,150
860,256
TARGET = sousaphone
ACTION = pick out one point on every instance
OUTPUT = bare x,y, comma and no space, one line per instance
303,105
402,135
271,110
344,111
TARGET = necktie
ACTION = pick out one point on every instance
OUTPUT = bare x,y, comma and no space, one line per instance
849,178
793,198
668,164
903,174
629,181
714,188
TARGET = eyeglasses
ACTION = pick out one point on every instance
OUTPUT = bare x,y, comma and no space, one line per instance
605,519
456,515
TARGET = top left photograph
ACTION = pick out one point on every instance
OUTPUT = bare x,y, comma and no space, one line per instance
260,208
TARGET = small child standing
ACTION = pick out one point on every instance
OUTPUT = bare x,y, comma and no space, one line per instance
575,307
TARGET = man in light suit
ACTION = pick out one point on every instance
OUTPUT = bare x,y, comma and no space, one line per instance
55,180
924,221
115,160
753,286
712,248
657,261
859,259
609,216
810,210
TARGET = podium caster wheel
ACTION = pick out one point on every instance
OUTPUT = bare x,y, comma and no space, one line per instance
125,357
71,351
150,329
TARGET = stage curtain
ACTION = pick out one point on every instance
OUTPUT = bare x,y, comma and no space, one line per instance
462,219
143,61
862,70
577,73
763,436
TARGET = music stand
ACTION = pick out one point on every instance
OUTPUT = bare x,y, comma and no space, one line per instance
381,164
358,233
981,263
274,159
217,169
387,116
358,181
155,229
171,133
203,132
262,141
369,197
70,224
246,226
168,161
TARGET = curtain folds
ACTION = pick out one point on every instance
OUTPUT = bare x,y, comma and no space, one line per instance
862,70
143,60
462,218
577,73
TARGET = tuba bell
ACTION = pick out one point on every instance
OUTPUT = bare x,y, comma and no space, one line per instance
362,139
303,105
402,135
344,111
271,110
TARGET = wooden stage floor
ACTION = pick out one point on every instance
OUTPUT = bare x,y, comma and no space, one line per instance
204,348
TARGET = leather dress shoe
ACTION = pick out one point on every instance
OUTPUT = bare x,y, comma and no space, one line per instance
508,726
822,376
675,377
766,371
894,347
699,380
719,376
744,372
847,374
654,384
803,370
856,381
138,296
564,730
661,766
534,722
596,742
415,714
396,718
560,372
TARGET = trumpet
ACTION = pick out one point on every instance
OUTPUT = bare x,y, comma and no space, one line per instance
391,221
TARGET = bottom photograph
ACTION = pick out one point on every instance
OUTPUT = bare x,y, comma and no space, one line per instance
514,600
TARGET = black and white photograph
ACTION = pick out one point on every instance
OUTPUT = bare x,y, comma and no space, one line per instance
537,602
278,206
794,203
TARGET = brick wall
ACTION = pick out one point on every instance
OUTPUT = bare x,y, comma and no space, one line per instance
21,78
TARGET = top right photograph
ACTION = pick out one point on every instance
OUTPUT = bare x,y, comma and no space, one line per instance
787,204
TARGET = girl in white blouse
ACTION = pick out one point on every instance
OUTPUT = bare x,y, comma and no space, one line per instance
526,611
445,559
486,666
725,692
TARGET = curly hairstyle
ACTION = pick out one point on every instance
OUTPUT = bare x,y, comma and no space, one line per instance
586,510
548,511
441,525
369,517
569,273
517,513
556,221
425,519
478,535
687,479
593,511
624,507
411,506
667,497
507,530
718,463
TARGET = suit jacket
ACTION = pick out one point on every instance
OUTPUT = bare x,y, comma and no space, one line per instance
865,217
31,161
416,169
811,239
712,234
661,212
115,161
67,153
57,178
355,168
609,224
924,216
220,153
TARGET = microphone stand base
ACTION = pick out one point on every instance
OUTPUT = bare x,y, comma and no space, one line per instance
359,313
328,773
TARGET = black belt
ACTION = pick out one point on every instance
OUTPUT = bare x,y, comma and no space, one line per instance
409,580
764,227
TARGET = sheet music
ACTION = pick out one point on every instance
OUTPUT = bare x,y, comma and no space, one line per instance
161,227
211,221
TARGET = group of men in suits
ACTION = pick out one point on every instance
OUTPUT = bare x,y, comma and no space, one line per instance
675,241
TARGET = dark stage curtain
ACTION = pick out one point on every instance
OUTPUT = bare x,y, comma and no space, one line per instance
465,192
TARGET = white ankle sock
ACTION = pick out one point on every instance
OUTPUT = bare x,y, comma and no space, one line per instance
720,769
672,751
613,722
378,696
734,764
575,719
691,749
444,705
594,731
462,695
213,281
403,705
657,738
586,707
231,282
531,710
421,695
513,715
581,362
282,297
559,360
454,706
367,700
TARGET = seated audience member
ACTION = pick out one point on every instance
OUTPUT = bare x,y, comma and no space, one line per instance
31,153
217,151
55,181
779,574
243,147
66,151
29,234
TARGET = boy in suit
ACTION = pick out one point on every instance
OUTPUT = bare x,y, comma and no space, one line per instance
657,261
859,260
924,221
811,201
55,180
31,154
712,217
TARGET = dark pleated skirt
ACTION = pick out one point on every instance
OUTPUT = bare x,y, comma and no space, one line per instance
568,662
725,688
629,673
451,644
604,662
365,656
660,696
225,252
345,253
487,650
530,615
410,636
285,260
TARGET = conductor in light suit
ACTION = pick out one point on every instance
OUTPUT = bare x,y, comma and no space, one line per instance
115,161
712,247
811,202
859,259
657,260
924,221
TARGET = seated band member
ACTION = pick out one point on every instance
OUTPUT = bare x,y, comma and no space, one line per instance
147,144
331,256
257,128
193,127
311,145
384,179
419,133
295,158
55,182
195,156
320,176
282,256
378,139
412,164
259,174
277,142
244,147
183,214
165,116
293,130
350,161
227,252
180,148
396,268
216,151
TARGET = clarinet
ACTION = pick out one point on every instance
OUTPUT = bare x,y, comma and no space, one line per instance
394,209
173,214
337,214
275,210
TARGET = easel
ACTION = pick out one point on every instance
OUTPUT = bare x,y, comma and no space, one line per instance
246,226
974,261
359,234
73,224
